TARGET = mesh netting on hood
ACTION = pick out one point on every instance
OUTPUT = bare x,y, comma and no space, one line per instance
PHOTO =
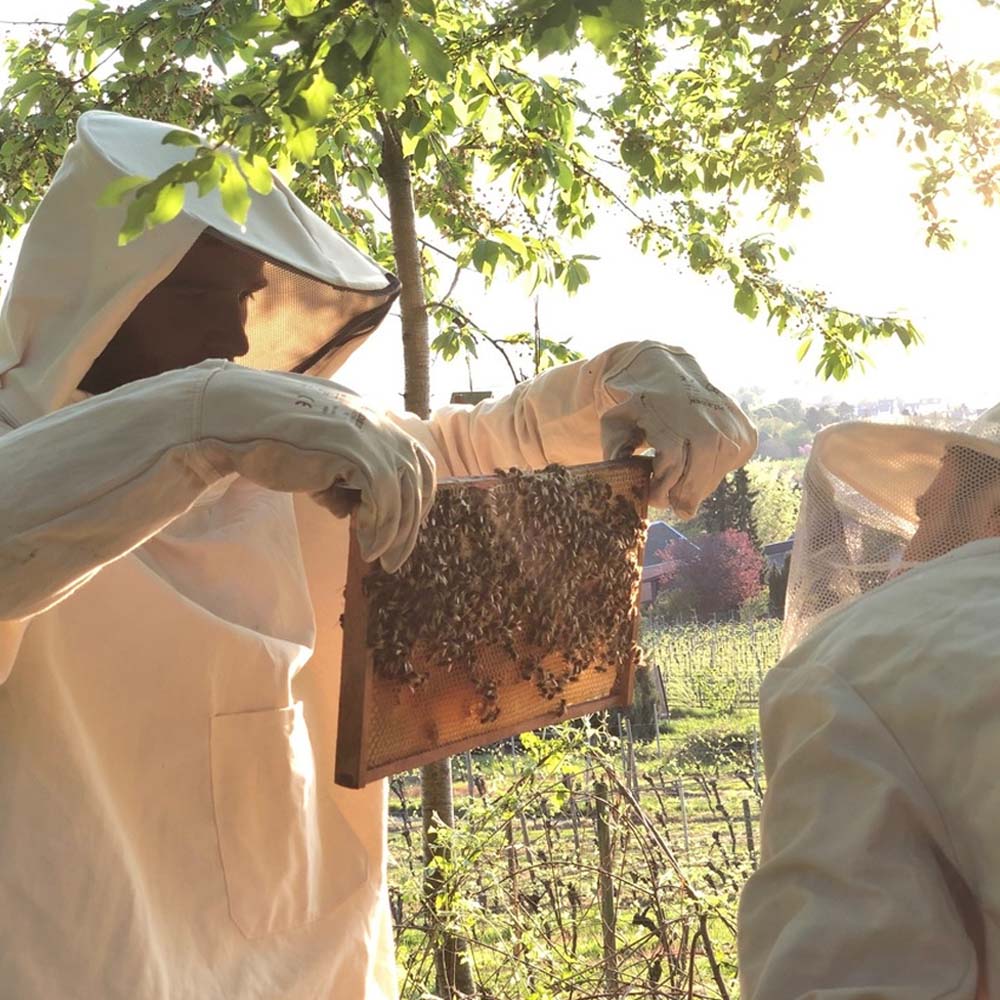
296,323
73,287
879,499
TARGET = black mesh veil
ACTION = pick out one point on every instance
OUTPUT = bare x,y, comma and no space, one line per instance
297,323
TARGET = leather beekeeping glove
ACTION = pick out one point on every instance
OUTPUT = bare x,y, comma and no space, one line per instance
662,400
299,434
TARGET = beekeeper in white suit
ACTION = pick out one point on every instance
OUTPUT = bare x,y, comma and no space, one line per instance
880,860
170,591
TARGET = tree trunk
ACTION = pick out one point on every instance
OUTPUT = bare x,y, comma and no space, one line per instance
451,958
413,305
452,961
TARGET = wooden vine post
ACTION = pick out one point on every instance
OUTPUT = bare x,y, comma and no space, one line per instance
606,889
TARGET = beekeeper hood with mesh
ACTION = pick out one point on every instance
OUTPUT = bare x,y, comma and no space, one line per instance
881,729
170,594
318,299
880,498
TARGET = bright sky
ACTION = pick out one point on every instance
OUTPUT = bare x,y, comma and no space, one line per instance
863,243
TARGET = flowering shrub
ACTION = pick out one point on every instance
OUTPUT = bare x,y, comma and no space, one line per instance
668,564
725,571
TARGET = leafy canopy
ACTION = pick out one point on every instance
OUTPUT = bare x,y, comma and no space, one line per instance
710,112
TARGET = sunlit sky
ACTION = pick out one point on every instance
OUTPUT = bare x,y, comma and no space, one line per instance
863,243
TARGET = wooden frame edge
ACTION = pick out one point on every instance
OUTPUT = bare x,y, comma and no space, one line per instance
355,683
460,746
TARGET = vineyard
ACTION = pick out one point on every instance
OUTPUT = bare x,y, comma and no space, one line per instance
602,858
712,668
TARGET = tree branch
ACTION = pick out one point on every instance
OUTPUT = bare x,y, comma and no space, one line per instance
465,320
424,243
859,25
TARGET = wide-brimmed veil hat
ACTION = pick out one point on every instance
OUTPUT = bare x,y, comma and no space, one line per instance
866,491
74,286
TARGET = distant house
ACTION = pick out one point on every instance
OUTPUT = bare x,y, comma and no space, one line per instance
652,583
880,409
927,407
777,553
659,537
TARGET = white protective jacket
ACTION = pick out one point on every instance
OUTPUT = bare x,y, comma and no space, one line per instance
880,867
169,636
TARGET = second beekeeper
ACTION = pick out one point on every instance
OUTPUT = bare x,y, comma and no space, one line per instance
879,858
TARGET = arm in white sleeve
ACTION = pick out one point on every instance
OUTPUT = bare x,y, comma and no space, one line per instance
851,900
89,483
553,417
633,395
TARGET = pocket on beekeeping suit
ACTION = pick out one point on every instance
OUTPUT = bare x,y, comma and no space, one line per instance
288,855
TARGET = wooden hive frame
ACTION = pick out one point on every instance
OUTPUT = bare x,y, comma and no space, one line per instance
386,728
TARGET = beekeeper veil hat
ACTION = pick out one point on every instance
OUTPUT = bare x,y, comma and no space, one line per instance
73,286
880,498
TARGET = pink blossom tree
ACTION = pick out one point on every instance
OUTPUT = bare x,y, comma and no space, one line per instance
722,573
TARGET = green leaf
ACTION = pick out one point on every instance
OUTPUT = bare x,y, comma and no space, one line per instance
390,70
446,344
745,300
302,144
135,219
209,179
491,123
257,173
115,192
803,349
284,168
180,137
633,148
555,39
235,196
513,241
630,12
424,7
300,8
600,30
30,99
256,24
485,255
341,65
576,275
317,97
699,255
427,50
169,202
132,53
362,35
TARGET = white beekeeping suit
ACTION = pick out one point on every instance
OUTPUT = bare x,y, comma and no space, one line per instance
880,863
170,592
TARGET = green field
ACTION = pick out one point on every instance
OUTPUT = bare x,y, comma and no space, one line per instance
568,828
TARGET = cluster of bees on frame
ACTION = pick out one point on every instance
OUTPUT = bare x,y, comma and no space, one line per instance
537,563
